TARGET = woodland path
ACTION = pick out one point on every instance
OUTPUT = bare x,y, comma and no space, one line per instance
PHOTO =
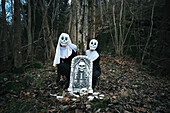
126,87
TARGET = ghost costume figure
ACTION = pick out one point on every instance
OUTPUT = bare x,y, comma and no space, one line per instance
65,51
93,54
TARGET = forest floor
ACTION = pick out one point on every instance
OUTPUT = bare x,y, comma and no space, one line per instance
125,86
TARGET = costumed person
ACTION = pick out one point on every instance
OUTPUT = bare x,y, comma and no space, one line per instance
65,51
93,54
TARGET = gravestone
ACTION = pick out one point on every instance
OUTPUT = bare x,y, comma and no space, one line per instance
81,74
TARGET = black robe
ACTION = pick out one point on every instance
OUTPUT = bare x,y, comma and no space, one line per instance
96,65
96,71
64,68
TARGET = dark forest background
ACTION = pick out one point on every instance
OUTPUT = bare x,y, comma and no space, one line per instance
134,44
140,29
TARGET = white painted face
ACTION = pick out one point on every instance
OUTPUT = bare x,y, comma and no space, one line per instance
64,40
93,44
83,91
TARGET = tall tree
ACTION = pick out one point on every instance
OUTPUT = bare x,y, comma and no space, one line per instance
4,32
57,29
85,25
63,15
73,22
46,30
93,18
55,7
33,24
70,18
29,29
17,35
79,26
101,10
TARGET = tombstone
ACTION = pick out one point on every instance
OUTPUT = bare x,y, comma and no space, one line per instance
81,74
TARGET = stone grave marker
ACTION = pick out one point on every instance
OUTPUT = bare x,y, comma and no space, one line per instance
81,74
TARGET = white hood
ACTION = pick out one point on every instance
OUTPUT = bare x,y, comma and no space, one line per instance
93,55
63,52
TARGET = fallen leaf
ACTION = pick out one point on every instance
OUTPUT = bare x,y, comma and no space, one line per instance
114,97
67,99
55,100
140,109
52,110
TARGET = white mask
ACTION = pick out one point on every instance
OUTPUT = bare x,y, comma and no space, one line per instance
93,44
64,40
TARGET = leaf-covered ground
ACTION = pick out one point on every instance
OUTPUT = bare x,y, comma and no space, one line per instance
125,87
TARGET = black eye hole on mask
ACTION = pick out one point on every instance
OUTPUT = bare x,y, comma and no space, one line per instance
95,43
65,38
81,65
91,42
62,38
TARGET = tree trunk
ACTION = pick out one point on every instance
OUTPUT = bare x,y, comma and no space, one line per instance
70,19
51,44
33,25
150,34
29,30
115,31
17,35
4,32
120,52
25,18
54,12
47,30
79,27
85,27
43,28
57,33
90,21
93,18
73,30
101,11
107,5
